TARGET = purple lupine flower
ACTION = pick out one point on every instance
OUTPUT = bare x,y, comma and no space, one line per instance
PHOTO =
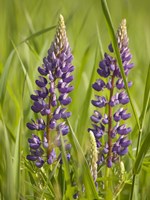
51,99
112,122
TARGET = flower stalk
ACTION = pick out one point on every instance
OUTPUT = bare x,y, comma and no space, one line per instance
110,111
48,131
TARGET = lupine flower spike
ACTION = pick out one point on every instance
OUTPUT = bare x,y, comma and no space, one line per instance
92,156
112,123
51,99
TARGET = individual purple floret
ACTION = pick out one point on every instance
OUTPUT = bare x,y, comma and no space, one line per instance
50,100
112,123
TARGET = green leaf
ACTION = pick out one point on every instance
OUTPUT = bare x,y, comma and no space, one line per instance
145,146
143,150
100,43
38,33
61,180
145,106
4,77
146,98
16,162
7,173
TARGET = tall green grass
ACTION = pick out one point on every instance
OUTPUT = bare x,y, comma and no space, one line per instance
27,29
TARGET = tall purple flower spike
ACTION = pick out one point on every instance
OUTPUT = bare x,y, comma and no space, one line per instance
112,122
51,99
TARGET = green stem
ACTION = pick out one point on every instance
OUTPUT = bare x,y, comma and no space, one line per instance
106,182
132,189
137,151
139,141
108,189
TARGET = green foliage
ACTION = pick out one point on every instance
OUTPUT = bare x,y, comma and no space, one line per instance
27,29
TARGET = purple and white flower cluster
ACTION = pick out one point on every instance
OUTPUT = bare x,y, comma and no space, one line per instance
51,99
112,123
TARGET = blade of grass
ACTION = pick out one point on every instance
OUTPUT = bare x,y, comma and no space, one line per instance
4,77
68,193
61,180
82,26
38,33
78,150
81,69
86,103
65,162
9,131
24,70
100,42
15,101
145,106
16,162
8,178
146,98
144,149
33,51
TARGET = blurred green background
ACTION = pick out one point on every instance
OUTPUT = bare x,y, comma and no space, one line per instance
86,25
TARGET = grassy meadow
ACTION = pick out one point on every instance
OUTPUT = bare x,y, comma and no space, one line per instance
27,30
